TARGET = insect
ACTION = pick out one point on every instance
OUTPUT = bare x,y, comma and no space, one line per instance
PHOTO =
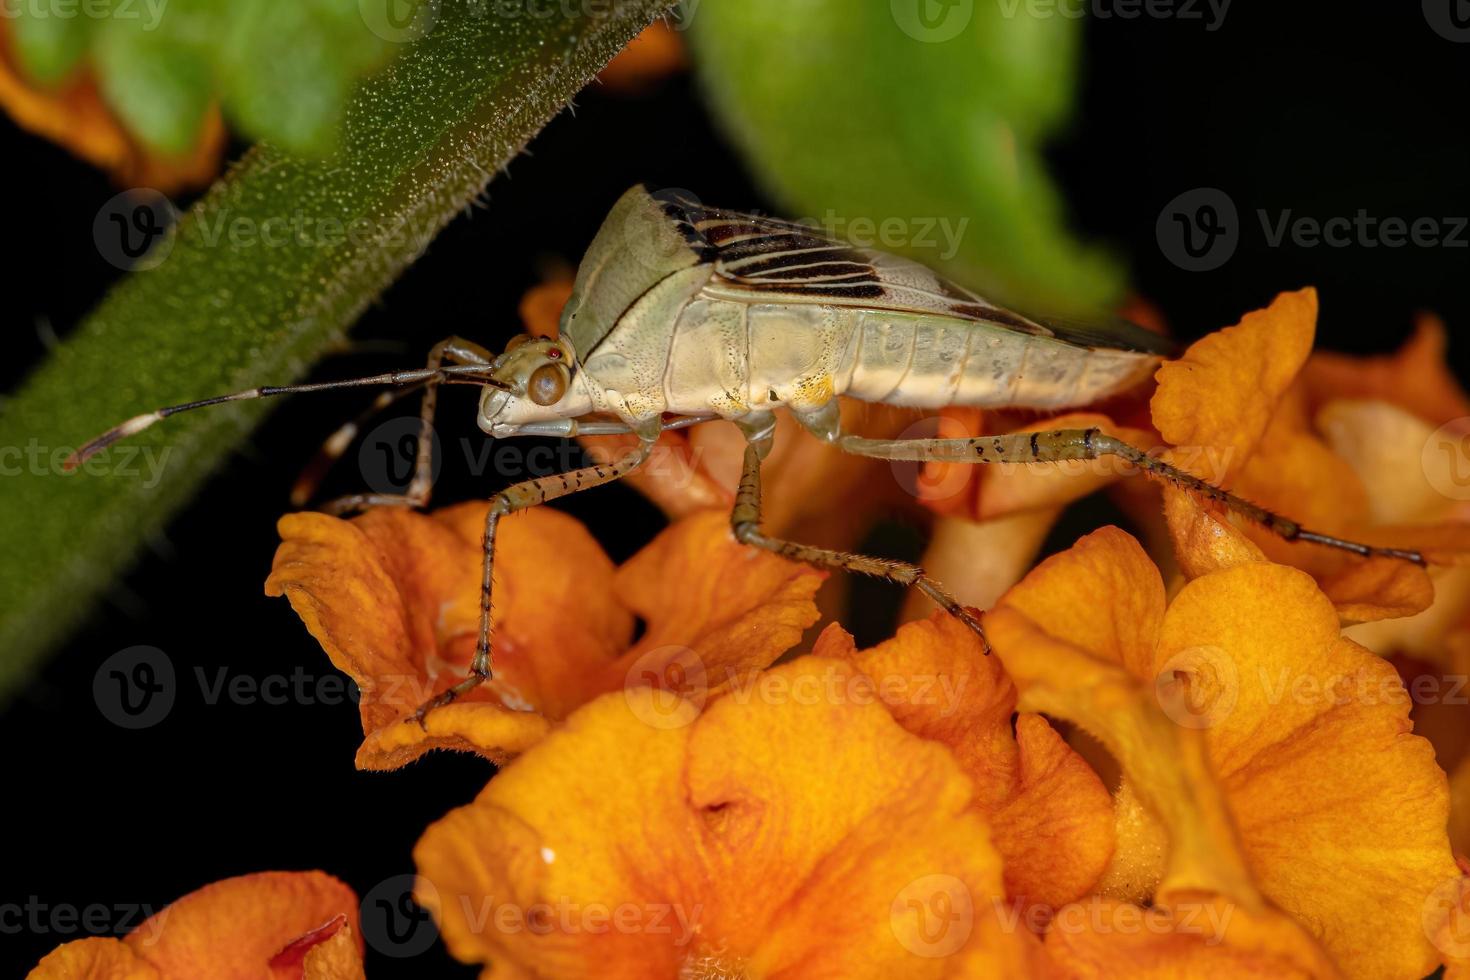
683,314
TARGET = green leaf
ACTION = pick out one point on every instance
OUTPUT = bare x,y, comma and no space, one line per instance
283,70
223,310
910,111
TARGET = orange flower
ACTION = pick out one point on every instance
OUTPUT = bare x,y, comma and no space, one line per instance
74,115
1244,408
1265,757
394,598
790,829
285,925
655,54
1051,817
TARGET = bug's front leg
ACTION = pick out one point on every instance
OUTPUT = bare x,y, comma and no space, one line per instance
745,523
454,350
1080,444
508,501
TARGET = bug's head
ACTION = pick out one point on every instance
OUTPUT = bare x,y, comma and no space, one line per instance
533,382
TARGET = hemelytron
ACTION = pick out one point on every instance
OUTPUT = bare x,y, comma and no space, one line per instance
683,314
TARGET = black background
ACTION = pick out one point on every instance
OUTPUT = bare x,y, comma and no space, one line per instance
1325,110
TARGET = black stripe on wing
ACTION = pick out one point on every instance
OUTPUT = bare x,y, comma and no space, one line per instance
771,255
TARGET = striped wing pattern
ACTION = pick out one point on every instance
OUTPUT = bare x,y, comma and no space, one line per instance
775,258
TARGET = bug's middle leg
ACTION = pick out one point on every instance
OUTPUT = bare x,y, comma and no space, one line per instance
508,501
1063,445
745,523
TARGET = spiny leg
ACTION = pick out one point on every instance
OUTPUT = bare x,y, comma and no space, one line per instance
745,522
1083,444
508,501
453,349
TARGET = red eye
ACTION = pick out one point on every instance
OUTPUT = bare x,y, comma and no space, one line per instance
554,353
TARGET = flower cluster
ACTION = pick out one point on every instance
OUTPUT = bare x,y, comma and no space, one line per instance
1192,758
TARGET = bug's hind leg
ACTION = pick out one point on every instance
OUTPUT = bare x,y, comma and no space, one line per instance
455,350
508,501
745,522
1081,444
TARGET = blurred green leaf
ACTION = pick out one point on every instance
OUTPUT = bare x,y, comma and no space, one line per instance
255,282
910,111
283,70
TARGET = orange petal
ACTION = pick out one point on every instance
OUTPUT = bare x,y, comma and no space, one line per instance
1051,815
541,306
1306,736
235,927
978,560
796,854
1417,377
1220,395
719,610
94,959
1310,740
338,958
1199,936
654,54
1102,595
393,597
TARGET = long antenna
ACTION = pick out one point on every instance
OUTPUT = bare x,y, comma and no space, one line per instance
476,373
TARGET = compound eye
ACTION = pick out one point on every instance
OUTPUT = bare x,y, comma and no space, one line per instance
548,383
517,340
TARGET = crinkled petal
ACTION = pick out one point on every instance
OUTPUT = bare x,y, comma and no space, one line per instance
1051,816
233,929
1198,936
1222,392
759,838
95,958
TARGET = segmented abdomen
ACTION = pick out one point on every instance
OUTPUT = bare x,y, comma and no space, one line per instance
732,358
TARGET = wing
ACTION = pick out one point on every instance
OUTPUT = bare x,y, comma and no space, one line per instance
765,259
